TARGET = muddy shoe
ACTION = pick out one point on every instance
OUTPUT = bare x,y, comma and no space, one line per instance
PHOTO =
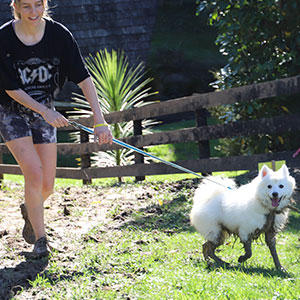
40,248
28,233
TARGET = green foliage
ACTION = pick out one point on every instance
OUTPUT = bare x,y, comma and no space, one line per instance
119,87
260,38
261,41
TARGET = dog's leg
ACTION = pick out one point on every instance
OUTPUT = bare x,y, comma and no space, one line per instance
248,251
271,242
208,249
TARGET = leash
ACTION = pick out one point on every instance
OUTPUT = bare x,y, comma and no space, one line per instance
296,153
125,145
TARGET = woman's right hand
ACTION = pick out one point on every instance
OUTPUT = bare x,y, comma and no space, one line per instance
54,118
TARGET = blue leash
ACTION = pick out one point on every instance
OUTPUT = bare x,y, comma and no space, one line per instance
86,129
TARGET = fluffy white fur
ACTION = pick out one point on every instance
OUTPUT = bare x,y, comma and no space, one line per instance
242,210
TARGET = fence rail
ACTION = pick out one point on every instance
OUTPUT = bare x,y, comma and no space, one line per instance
200,134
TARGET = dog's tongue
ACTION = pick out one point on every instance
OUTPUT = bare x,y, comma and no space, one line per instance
275,202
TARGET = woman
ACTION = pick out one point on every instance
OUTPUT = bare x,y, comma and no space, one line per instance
37,56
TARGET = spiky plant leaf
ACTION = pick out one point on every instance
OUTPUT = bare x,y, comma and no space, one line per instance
119,87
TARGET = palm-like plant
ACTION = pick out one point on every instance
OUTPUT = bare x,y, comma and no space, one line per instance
119,87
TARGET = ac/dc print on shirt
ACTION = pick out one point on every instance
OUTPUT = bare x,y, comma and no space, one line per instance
41,69
39,78
36,70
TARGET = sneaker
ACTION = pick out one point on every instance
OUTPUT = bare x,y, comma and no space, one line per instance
40,248
28,233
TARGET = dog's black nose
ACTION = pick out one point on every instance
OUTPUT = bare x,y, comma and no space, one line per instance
275,194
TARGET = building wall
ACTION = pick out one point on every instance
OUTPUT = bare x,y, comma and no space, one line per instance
99,24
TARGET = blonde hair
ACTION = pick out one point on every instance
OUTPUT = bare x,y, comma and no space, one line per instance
18,17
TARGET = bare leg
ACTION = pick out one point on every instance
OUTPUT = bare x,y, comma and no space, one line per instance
248,251
30,164
271,242
48,157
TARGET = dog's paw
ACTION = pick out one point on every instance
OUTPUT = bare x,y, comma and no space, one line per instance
281,269
242,258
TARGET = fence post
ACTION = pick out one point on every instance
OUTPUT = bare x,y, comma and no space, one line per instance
139,158
1,175
85,159
201,116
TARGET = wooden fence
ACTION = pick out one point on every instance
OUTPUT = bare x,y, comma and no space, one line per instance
200,134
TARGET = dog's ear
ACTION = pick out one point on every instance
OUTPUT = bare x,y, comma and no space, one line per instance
286,174
284,170
264,171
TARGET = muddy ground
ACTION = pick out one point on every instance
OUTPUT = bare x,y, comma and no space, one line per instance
70,214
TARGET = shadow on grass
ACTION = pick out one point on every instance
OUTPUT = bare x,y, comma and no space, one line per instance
294,219
13,280
212,266
169,218
294,223
257,270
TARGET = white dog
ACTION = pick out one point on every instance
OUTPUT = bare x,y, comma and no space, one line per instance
257,207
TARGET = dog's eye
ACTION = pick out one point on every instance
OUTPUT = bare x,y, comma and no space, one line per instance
281,186
269,186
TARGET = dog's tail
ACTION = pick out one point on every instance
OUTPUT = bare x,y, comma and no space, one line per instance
209,189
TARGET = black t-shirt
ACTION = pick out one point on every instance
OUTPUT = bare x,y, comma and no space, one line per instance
41,69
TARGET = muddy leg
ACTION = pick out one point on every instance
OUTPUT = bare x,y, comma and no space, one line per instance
208,249
271,242
248,251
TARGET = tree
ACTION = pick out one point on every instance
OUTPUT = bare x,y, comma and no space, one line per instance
261,39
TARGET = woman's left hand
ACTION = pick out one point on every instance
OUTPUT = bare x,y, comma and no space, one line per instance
103,135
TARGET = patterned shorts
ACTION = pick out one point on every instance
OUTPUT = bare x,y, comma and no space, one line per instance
17,124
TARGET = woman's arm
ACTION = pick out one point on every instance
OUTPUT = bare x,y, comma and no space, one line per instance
103,133
88,88
52,117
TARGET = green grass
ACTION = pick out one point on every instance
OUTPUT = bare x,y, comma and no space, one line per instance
19,179
65,182
157,256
